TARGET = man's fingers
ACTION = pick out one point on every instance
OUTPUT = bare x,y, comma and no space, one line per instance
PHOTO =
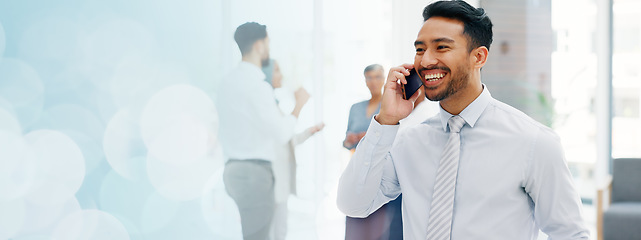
408,66
398,76
399,73
393,74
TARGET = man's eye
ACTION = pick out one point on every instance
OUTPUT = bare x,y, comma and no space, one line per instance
441,47
419,50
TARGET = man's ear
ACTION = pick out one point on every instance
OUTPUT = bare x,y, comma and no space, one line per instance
479,55
258,46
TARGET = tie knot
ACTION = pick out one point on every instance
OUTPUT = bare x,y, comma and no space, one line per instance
456,123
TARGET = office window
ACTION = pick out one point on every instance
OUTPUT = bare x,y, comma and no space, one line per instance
573,88
626,80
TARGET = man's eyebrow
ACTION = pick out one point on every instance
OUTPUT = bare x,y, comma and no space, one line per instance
443,39
447,40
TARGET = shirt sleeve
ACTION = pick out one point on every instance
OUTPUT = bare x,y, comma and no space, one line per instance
370,180
274,122
557,205
301,137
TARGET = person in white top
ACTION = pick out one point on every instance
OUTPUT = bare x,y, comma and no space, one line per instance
250,126
284,165
509,171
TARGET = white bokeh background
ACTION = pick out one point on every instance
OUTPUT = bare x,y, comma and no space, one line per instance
107,124
108,127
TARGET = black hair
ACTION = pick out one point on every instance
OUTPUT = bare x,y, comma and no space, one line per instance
477,26
373,67
247,34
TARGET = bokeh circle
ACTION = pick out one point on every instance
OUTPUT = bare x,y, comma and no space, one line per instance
60,167
90,225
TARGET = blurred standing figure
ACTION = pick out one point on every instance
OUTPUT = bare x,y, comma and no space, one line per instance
361,113
251,126
386,222
284,165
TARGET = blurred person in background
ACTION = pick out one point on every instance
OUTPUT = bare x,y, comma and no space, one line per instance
386,222
361,113
251,126
284,165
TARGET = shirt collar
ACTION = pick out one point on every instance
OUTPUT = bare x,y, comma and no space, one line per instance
472,112
252,70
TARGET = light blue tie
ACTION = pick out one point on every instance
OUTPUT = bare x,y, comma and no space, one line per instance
439,226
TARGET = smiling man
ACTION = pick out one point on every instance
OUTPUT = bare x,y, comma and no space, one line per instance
479,169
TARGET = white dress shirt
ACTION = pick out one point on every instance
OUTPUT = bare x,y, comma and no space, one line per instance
419,114
512,176
251,124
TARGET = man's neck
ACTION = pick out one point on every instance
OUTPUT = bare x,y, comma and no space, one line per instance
456,103
253,59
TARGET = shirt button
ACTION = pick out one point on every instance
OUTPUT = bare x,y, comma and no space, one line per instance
366,164
378,134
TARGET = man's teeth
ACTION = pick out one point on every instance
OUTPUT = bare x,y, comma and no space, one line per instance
434,77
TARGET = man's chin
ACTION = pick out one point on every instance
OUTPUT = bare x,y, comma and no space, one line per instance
432,94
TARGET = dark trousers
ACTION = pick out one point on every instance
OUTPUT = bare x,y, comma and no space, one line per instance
251,184
384,224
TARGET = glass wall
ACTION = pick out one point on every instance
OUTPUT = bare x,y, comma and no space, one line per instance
626,81
574,80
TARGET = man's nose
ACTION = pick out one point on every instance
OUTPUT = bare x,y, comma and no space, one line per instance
428,60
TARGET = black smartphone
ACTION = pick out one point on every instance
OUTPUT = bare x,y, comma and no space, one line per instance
413,83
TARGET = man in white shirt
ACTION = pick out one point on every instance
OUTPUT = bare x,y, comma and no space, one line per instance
251,126
507,174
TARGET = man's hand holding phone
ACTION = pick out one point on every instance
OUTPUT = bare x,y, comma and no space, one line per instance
393,106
